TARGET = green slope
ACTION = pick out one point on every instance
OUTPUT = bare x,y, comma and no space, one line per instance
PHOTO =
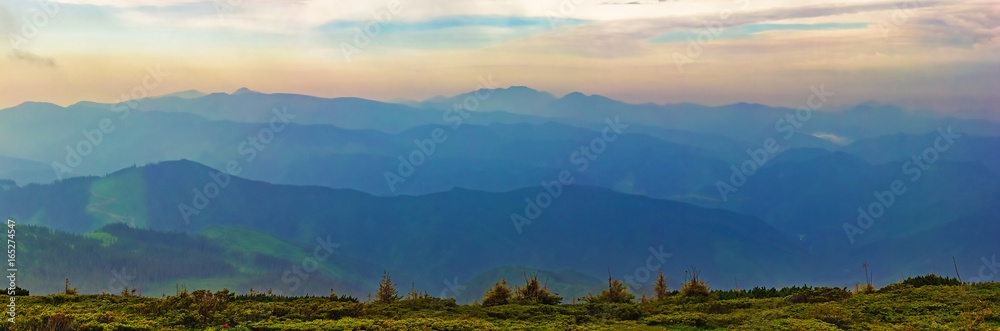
115,257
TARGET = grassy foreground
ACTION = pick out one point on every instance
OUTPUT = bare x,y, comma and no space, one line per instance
900,307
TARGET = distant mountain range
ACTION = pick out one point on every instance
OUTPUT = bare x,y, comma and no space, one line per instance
363,139
431,190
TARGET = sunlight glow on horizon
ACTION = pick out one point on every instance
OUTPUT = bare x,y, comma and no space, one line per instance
941,55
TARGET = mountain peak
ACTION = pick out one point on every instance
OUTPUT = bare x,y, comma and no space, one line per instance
521,89
189,94
34,105
517,91
578,96
244,90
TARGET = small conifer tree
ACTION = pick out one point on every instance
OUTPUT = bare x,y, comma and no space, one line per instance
386,290
660,287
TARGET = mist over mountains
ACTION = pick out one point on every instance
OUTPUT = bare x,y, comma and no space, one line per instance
480,184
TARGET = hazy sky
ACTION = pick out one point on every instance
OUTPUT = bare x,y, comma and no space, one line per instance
943,55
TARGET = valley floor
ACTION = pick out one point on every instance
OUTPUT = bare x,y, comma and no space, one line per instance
968,307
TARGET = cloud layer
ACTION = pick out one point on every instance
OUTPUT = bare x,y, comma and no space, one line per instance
923,54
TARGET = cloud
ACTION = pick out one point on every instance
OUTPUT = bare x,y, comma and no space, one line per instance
452,32
456,22
32,58
961,25
749,30
839,140
9,29
628,36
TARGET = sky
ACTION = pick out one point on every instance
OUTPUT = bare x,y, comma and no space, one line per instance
938,55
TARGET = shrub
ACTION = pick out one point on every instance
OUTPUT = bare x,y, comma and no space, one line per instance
413,292
919,281
58,322
127,293
695,287
19,292
427,303
69,291
820,294
534,292
759,292
340,298
498,295
616,293
614,311
678,318
207,303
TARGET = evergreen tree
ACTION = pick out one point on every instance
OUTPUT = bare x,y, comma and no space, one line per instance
386,290
660,287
